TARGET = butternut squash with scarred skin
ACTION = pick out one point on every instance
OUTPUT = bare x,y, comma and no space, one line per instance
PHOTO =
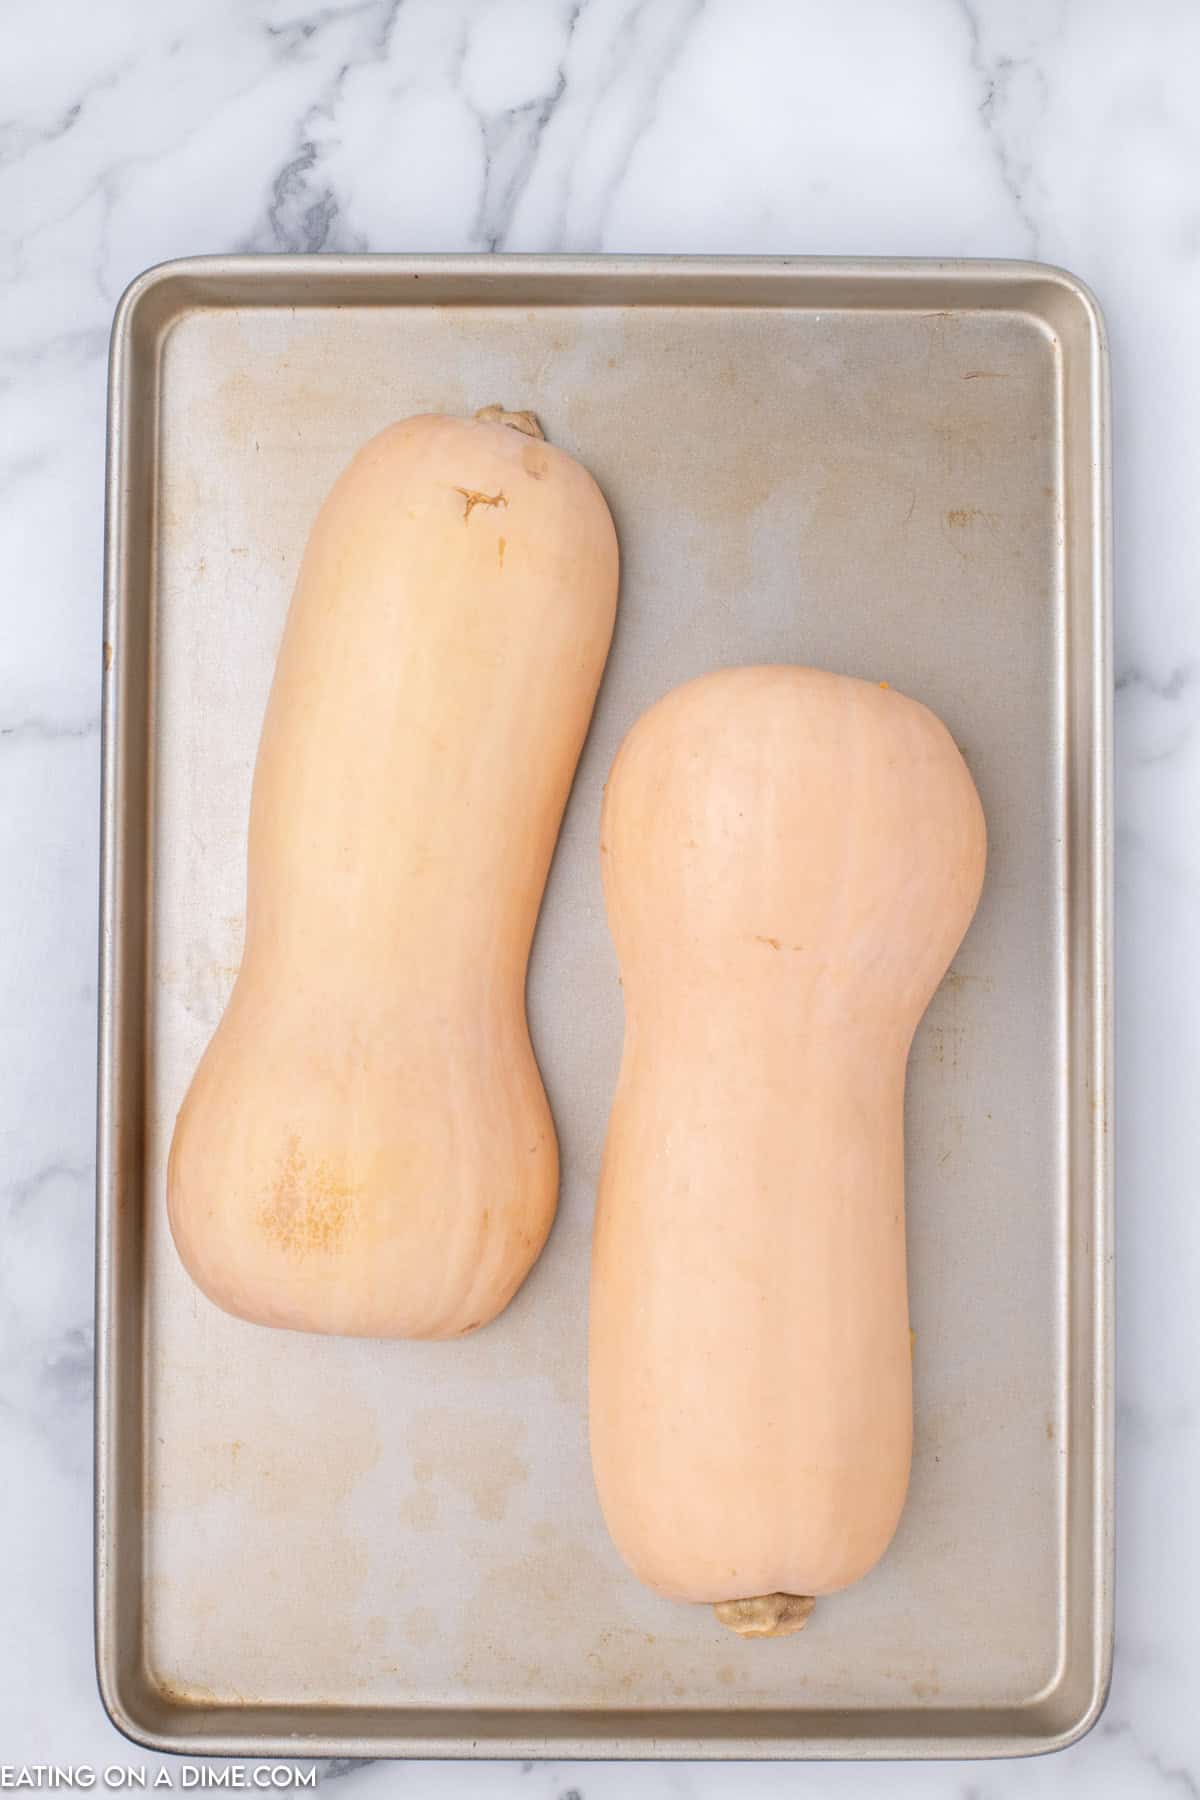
366,1147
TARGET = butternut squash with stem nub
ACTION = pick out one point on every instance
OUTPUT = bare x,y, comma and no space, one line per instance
790,860
366,1147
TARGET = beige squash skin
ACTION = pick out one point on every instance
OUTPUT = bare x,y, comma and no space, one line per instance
366,1147
790,860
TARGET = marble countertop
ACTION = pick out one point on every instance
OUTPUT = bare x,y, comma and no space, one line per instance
148,129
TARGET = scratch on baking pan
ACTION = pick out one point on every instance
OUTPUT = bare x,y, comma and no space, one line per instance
984,375
474,498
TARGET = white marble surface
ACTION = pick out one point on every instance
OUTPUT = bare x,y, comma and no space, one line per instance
146,129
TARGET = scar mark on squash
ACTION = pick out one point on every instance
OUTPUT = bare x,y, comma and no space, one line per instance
774,942
534,462
307,1209
474,498
500,551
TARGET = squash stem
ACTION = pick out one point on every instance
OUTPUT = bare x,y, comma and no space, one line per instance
766,1615
520,421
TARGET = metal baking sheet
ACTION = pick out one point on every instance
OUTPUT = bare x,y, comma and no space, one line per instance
898,470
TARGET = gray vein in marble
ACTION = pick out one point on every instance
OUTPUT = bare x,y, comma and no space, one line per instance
16,141
1164,862
300,215
81,347
296,218
511,141
1169,687
338,1767
1142,1424
22,468
672,51
48,731
293,34
68,1368
18,1194
604,58
1163,719
1002,78
1174,1774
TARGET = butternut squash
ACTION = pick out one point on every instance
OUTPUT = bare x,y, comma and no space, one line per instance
366,1147
790,860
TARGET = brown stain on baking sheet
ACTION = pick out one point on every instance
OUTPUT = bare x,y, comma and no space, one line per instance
291,1443
204,979
418,1511
529,1605
421,1626
717,482
956,982
253,1511
475,1453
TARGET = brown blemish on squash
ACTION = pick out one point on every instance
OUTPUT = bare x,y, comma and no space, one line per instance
534,462
307,1209
500,551
774,942
474,498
